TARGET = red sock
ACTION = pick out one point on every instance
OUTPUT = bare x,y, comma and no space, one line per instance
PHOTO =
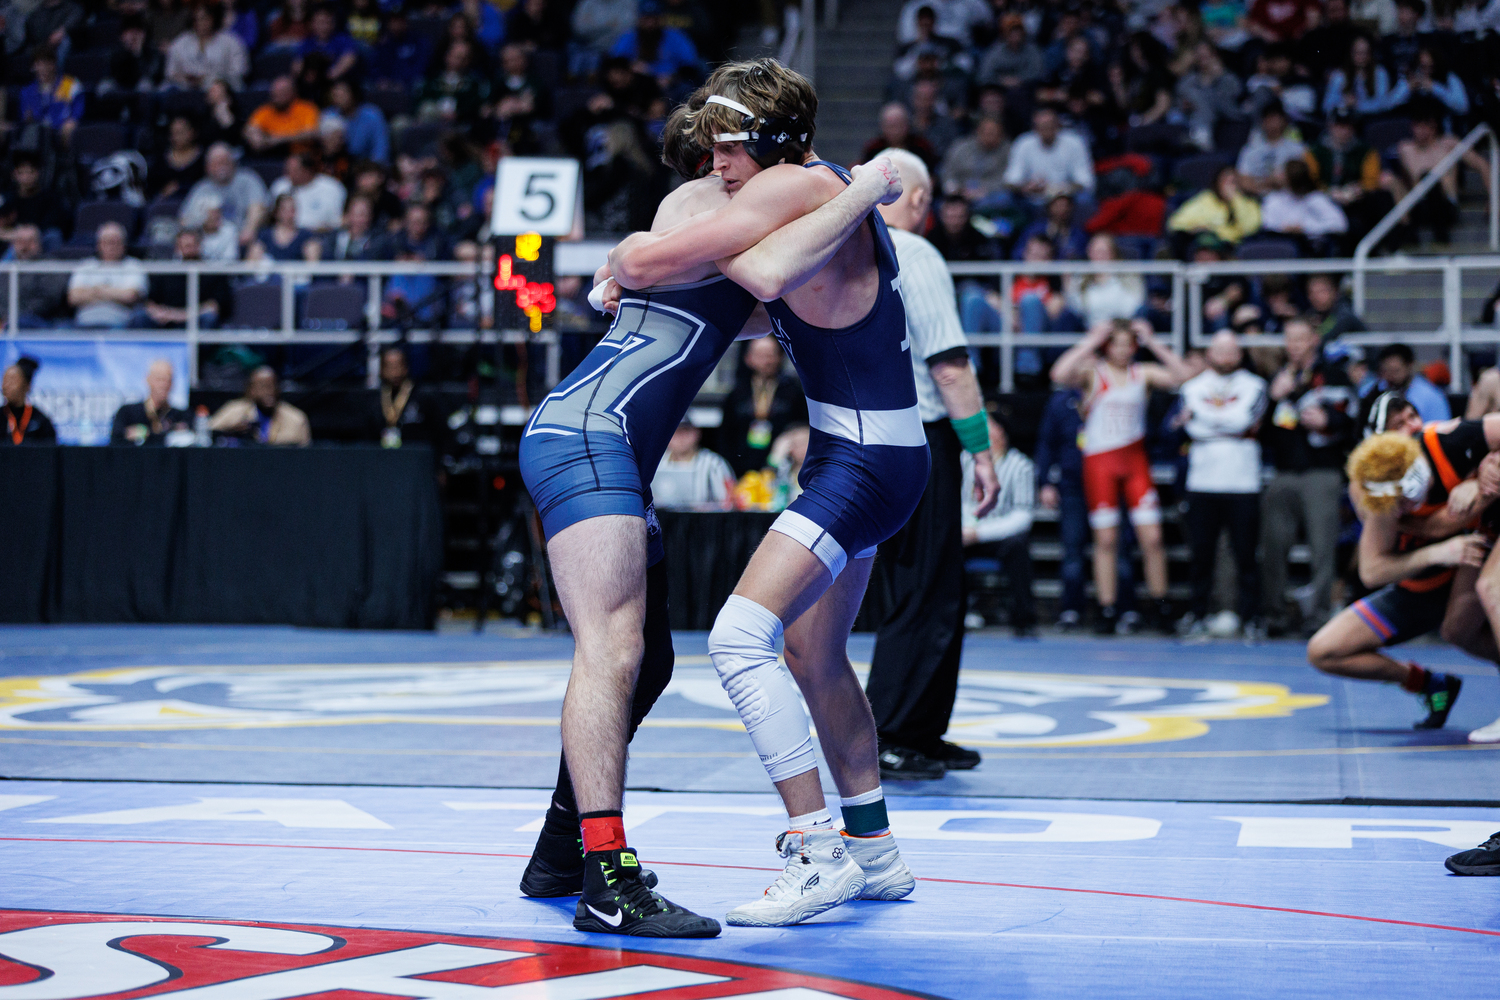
1416,679
602,831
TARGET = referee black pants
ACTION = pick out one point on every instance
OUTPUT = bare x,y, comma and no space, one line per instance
920,573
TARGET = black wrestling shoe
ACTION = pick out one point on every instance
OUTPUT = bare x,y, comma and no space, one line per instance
556,867
1105,620
1481,860
952,756
1442,692
905,764
616,901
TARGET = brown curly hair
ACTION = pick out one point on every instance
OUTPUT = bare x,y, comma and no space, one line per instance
765,86
1380,458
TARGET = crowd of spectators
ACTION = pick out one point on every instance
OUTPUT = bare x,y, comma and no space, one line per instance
295,130
1276,127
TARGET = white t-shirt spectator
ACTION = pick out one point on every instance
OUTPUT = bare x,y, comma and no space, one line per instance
1261,158
705,478
1313,214
191,63
1100,298
1067,161
955,19
1224,456
320,202
1017,500
95,273
234,198
932,323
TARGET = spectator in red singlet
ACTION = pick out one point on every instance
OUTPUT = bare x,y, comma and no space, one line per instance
1114,452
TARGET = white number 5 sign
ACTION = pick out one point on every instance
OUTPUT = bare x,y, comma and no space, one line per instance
535,195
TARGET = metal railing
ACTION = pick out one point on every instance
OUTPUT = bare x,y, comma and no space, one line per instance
1451,331
1188,280
374,331
1416,194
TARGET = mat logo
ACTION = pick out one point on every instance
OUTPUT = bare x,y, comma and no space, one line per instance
995,708
998,708
62,956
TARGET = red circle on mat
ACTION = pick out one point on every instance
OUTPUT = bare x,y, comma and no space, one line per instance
112,957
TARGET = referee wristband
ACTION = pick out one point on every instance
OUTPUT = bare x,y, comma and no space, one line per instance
973,433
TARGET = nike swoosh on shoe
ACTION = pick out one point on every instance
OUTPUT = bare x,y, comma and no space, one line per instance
612,919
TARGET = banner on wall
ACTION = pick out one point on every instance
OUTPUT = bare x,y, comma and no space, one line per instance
81,383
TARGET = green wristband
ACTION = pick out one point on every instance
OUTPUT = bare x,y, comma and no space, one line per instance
973,433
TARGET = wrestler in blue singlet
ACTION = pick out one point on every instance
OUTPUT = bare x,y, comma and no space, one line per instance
592,446
590,450
867,461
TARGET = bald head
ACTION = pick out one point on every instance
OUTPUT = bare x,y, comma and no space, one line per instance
909,212
1224,352
159,382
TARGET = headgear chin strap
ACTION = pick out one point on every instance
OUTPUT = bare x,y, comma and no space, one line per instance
765,139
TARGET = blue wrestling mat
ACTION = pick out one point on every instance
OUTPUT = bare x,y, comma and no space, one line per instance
264,814
362,889
1079,718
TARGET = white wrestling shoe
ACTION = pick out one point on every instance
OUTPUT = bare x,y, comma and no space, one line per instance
1489,734
886,875
819,875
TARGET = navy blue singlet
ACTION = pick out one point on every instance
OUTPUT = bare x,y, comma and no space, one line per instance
867,460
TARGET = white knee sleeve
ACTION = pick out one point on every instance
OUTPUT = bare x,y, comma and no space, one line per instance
743,648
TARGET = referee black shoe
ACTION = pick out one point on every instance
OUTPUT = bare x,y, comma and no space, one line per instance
905,764
1442,691
952,756
1482,860
616,901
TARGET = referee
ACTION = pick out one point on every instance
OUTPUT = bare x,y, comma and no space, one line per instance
914,672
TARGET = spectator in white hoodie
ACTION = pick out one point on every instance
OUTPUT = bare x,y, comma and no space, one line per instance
1222,408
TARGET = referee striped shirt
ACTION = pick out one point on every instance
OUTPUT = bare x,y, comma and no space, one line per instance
932,322
1013,512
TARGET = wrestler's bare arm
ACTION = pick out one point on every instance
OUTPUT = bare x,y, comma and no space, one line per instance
1381,564
768,201
788,258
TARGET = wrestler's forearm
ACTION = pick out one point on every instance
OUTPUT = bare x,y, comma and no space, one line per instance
765,203
789,257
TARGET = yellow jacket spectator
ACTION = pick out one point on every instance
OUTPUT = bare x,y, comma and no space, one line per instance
1223,210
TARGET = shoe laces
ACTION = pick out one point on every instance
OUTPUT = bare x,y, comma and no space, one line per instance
1493,844
634,894
791,845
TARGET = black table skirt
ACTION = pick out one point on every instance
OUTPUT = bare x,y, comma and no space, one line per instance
328,537
707,552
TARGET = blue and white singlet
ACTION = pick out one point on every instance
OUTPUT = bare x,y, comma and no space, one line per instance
592,446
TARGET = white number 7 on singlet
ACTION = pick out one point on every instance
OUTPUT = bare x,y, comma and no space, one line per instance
648,340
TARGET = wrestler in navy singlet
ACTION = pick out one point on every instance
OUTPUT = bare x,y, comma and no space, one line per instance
592,446
867,460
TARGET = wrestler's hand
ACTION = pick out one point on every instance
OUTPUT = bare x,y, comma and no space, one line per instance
1465,500
1489,476
612,293
1461,550
881,175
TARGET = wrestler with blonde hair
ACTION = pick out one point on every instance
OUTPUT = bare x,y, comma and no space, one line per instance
1414,489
